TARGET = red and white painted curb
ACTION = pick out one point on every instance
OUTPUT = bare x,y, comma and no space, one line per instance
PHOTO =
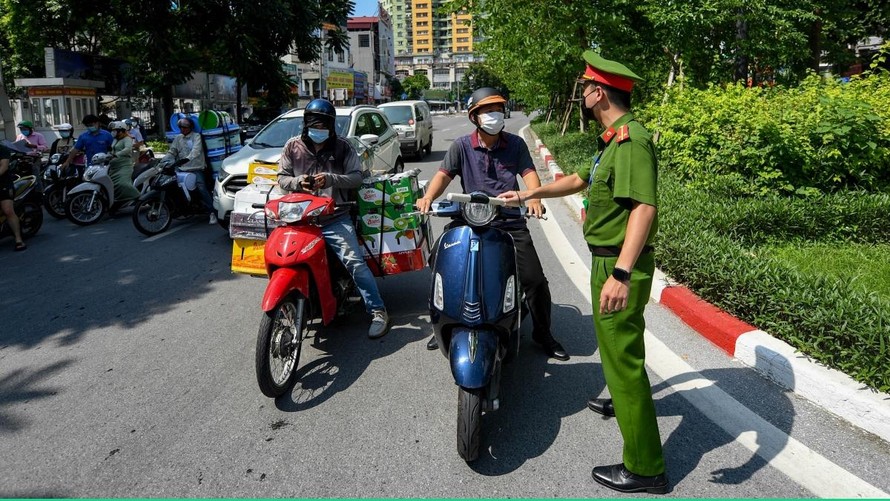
777,360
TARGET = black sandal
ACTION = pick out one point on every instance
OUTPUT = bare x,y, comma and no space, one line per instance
20,246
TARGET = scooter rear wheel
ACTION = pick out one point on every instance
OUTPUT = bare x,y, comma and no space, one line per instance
81,212
151,217
469,422
279,344
54,203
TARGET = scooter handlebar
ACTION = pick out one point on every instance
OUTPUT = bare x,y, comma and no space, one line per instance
477,198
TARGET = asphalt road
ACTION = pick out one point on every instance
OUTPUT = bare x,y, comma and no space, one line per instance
126,369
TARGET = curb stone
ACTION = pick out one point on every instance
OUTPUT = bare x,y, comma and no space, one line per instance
832,390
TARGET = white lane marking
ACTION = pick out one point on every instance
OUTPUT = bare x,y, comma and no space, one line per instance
446,130
168,232
801,464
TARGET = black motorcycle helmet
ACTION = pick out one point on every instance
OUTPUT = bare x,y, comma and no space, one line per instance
319,112
483,96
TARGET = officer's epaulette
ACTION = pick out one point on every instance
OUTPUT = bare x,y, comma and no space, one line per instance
622,134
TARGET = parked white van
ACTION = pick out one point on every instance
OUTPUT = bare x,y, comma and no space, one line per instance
413,122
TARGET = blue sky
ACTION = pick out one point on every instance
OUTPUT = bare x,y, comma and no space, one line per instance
365,8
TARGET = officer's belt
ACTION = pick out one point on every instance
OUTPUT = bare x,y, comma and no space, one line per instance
613,250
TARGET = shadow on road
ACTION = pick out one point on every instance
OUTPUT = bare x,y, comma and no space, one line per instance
345,350
21,386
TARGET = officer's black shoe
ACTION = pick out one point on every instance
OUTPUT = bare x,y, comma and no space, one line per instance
618,477
553,349
432,344
601,406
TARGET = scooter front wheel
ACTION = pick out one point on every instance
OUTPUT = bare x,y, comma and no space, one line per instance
469,422
278,345
151,217
85,208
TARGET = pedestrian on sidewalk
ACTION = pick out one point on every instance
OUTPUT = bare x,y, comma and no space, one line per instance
620,229
489,160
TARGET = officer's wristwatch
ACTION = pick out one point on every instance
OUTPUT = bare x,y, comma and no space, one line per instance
621,275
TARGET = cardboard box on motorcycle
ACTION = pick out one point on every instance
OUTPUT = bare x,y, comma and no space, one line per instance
392,241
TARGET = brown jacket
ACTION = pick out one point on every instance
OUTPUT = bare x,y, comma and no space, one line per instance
298,160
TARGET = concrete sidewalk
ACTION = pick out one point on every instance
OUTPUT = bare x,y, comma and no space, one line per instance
830,389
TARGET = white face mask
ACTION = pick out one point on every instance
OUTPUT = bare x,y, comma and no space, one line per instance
492,122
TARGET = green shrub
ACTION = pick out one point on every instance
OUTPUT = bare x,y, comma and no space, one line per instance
826,317
820,136
158,146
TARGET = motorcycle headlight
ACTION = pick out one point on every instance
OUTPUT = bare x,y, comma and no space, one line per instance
90,172
510,294
291,212
409,133
478,214
55,158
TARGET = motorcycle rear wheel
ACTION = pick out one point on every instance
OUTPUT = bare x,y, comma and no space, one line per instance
54,203
469,422
151,217
279,344
79,210
30,219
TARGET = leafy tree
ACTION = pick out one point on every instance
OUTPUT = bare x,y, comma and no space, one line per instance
415,84
480,75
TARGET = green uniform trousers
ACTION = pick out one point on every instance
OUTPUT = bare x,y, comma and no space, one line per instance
620,339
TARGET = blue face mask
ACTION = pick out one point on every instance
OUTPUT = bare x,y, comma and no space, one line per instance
65,135
93,128
25,132
318,136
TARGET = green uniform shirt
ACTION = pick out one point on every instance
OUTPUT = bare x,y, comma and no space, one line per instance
624,170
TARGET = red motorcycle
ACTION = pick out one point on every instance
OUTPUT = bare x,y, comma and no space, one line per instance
306,282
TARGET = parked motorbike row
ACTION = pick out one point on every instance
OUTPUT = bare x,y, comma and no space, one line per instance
85,195
474,298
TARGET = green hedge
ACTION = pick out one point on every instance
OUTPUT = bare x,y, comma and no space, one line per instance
714,238
823,135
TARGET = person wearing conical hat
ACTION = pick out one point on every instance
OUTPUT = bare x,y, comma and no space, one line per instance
619,227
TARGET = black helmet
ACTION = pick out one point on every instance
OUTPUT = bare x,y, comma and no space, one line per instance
483,96
320,111
90,119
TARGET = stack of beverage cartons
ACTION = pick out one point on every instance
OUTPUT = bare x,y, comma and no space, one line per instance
248,226
394,238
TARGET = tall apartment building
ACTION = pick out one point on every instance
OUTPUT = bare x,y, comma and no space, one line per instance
427,39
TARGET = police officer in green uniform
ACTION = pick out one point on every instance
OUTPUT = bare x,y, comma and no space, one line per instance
619,228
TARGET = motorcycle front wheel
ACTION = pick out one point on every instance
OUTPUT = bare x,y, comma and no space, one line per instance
85,208
151,217
469,422
278,345
54,203
30,219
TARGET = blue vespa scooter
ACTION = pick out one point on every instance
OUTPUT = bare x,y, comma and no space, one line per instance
475,305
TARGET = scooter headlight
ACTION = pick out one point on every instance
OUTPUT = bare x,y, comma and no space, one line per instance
510,294
90,172
439,293
478,214
291,212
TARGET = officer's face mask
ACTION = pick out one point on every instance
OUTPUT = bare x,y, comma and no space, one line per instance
491,122
318,136
588,113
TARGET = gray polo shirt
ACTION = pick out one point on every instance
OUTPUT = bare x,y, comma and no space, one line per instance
490,171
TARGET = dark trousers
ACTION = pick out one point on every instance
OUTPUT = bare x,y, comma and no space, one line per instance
534,284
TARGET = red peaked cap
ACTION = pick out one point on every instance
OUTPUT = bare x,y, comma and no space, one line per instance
611,73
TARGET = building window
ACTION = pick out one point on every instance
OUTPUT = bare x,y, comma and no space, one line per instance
463,40
364,40
463,30
341,57
330,55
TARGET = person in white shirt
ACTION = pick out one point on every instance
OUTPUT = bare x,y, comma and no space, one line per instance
190,145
